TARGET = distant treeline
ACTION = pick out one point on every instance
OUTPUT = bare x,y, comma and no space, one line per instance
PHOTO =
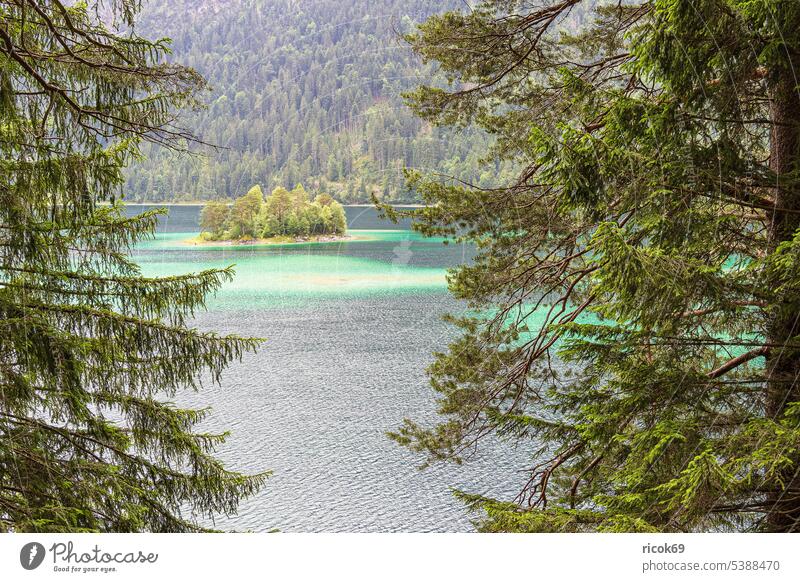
304,92
282,213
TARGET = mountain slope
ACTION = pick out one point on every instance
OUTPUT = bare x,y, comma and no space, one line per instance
302,91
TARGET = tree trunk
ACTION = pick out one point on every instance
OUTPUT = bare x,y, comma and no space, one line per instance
783,364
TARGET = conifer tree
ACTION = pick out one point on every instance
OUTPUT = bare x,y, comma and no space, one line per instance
636,294
213,218
90,350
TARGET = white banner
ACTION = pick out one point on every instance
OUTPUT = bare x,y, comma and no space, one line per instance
406,557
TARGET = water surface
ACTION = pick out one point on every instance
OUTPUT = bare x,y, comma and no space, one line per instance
349,327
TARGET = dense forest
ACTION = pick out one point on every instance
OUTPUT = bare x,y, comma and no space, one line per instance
91,351
303,92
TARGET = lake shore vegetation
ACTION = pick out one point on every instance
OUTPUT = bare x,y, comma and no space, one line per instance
284,215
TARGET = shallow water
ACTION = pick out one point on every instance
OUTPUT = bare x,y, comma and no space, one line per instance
349,327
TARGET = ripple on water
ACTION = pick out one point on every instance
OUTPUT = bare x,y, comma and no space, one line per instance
349,334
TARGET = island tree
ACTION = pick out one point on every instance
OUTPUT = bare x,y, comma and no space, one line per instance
213,218
244,212
283,213
635,297
90,350
277,209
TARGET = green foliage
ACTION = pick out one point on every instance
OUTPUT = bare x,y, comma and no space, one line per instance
303,92
91,352
277,210
213,218
283,213
244,212
636,291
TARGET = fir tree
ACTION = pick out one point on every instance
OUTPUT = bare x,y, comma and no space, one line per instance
89,348
637,287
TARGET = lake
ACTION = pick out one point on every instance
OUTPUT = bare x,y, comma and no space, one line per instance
350,328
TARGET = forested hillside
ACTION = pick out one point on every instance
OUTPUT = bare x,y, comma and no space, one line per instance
302,92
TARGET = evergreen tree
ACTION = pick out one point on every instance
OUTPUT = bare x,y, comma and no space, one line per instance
299,195
284,213
637,288
337,223
88,347
243,214
291,106
214,217
323,199
278,206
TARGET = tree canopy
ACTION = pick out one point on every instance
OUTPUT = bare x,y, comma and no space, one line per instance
90,350
636,295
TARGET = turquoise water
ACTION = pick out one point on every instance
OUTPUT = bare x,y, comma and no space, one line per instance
272,276
182,240
350,328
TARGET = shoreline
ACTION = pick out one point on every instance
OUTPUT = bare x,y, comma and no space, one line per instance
273,241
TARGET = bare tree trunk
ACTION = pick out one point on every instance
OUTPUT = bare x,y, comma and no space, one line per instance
783,364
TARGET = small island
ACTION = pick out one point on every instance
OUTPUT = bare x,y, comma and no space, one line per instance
285,216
